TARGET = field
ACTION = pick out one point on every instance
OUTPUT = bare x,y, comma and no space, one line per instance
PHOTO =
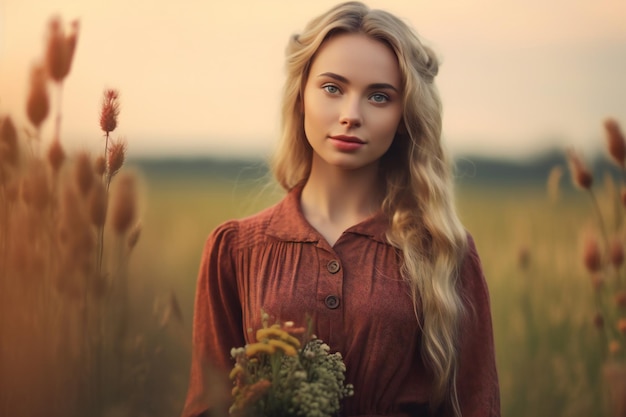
548,352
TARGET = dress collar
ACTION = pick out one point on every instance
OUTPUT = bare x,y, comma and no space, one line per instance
289,224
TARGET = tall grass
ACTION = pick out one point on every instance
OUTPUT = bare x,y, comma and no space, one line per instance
68,224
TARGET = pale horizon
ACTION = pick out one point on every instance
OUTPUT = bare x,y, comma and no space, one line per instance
204,78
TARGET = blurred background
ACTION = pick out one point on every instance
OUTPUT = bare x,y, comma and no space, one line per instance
204,77
199,82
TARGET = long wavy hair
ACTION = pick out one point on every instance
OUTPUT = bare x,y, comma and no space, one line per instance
418,198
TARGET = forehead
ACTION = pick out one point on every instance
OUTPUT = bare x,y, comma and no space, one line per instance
357,57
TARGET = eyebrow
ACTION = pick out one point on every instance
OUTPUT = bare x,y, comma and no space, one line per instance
344,80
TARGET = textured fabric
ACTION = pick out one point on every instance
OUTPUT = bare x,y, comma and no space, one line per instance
276,261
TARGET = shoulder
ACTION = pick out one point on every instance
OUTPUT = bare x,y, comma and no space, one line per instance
244,232
471,260
473,284
471,273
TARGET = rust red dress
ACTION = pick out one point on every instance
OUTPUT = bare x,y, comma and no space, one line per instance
276,261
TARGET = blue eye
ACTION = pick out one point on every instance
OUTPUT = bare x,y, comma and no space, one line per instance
330,89
379,98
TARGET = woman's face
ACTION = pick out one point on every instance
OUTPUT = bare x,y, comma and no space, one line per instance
352,101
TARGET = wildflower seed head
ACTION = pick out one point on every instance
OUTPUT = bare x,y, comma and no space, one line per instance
598,321
616,252
591,254
581,176
109,111
60,49
56,156
98,202
620,299
100,165
124,204
117,154
84,173
37,103
615,142
9,151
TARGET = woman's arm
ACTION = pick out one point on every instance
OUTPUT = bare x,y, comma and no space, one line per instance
477,378
217,326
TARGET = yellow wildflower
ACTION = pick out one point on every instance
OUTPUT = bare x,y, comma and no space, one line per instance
285,347
237,369
256,348
277,333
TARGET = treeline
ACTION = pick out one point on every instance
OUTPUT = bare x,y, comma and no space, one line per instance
469,170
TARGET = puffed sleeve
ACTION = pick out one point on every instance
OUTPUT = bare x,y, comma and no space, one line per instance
217,325
477,378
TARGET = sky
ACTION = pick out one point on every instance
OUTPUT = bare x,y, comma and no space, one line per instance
203,77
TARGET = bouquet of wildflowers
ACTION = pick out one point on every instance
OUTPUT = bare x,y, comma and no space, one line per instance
282,375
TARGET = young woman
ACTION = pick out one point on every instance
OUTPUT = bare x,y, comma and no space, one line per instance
366,240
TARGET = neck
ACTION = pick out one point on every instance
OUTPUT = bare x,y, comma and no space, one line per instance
335,199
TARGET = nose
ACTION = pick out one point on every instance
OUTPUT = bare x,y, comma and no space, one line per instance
351,113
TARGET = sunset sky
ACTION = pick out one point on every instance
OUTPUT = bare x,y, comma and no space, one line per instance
204,77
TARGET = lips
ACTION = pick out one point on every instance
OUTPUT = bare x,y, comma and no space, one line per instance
349,139
345,143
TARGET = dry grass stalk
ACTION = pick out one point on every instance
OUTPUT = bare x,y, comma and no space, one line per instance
592,259
100,166
98,203
116,156
52,210
615,376
64,296
60,48
84,173
554,180
124,205
615,142
523,258
581,176
38,103
616,252
109,111
9,153
604,259
56,156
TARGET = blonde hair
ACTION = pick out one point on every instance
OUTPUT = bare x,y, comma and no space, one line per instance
419,200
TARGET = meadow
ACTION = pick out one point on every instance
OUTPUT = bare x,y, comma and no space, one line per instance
549,354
